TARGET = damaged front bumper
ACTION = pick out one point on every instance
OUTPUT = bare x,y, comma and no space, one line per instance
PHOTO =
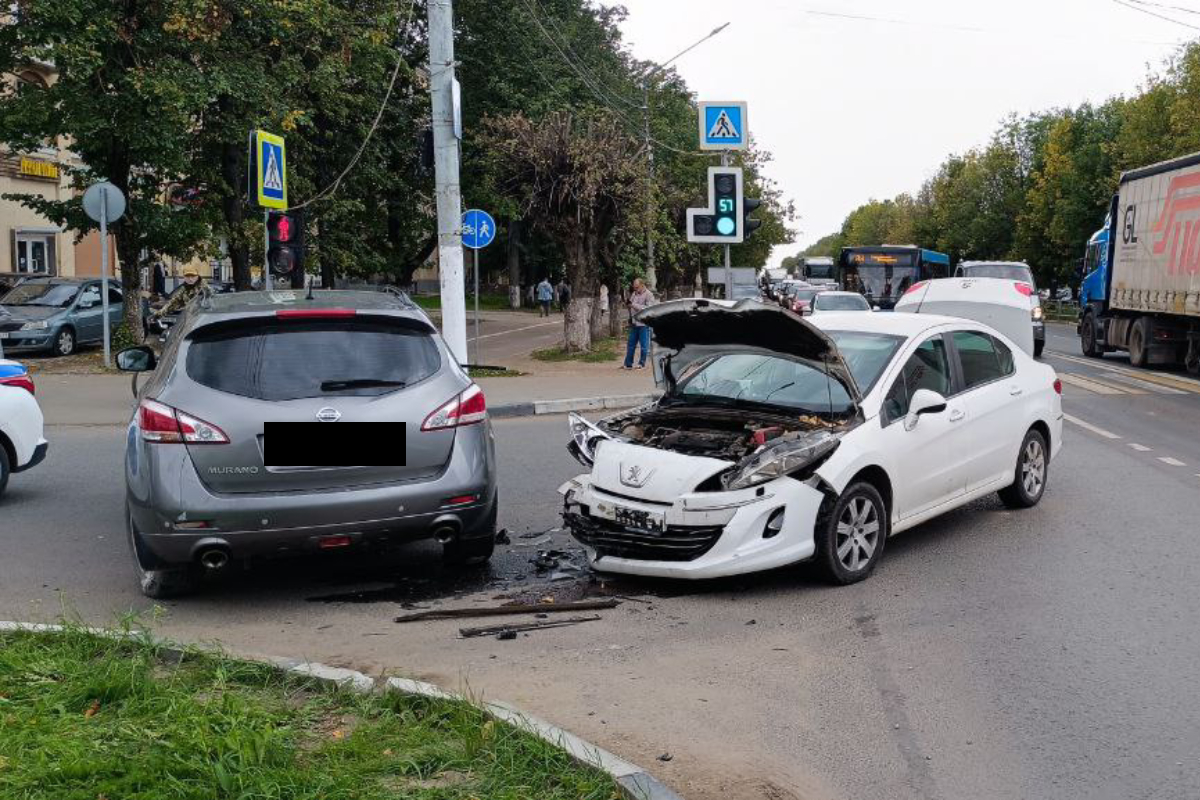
698,535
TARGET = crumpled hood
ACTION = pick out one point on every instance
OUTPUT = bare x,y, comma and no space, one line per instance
694,328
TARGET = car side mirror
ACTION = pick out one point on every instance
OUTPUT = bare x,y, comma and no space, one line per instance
137,359
924,401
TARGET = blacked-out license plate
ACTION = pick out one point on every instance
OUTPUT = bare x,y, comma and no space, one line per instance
636,518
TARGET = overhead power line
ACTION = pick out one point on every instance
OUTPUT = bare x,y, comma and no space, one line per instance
1140,7
1166,6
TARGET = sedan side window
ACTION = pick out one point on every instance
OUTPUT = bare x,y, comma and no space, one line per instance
927,368
981,359
90,297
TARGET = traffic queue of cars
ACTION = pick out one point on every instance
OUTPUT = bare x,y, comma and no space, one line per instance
782,434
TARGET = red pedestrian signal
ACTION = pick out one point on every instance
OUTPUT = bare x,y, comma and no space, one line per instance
285,250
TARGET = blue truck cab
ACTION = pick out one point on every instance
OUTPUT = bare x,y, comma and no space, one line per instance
1094,288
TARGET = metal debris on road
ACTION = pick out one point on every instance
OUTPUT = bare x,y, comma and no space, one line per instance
510,631
515,608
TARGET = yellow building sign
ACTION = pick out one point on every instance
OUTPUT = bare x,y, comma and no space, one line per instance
39,169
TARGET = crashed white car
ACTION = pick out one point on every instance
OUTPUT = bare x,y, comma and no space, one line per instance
777,441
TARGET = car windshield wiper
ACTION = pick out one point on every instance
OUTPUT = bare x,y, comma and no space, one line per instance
360,383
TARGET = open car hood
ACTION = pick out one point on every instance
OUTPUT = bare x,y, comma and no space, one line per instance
693,328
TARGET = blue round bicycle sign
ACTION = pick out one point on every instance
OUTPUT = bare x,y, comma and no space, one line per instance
478,229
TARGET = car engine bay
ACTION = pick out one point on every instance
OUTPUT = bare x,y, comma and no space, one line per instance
729,435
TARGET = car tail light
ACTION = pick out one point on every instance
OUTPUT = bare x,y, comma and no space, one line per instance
915,287
22,381
1023,288
1058,386
315,313
161,423
465,409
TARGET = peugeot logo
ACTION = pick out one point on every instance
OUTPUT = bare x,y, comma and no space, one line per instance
328,414
634,476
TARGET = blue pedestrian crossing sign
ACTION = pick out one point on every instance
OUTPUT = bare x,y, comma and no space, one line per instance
269,158
724,126
478,229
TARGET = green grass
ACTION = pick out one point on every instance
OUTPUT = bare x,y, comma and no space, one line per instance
487,302
603,350
477,372
85,717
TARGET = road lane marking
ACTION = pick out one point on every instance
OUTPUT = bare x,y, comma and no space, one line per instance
1175,382
1141,448
1174,462
1094,386
518,330
1147,385
1087,426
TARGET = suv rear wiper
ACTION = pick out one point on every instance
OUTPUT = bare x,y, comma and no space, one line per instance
360,383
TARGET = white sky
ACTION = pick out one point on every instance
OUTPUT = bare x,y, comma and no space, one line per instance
855,109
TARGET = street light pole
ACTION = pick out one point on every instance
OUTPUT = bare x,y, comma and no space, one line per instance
651,276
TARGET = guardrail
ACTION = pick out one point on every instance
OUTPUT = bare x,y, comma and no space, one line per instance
1061,310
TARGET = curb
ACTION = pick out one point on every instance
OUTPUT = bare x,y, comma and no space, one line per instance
540,407
634,782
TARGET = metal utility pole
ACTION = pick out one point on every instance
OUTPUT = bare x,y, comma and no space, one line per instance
651,276
725,159
445,160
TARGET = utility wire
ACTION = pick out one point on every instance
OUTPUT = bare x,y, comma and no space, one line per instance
1144,10
337,182
550,18
1166,6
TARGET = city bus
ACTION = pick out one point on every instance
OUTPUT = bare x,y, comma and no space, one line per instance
883,273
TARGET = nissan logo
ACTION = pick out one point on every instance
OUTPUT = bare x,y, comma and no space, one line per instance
328,414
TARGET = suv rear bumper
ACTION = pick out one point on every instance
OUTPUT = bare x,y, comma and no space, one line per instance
39,455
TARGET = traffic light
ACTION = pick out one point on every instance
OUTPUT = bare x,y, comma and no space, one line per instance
285,248
749,206
722,222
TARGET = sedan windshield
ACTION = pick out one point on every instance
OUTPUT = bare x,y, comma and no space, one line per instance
1009,272
842,302
866,354
765,380
56,295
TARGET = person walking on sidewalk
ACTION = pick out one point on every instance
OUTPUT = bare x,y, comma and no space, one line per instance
639,334
545,295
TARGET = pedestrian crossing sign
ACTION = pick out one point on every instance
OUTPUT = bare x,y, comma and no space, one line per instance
269,157
723,126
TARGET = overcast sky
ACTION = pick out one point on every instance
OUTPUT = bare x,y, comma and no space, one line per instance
854,108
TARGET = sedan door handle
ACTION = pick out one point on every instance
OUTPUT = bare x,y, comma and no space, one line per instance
956,415
1015,390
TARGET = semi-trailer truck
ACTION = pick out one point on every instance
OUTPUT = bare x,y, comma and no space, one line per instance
1141,287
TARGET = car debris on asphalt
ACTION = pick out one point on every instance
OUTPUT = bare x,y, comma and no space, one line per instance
509,631
515,608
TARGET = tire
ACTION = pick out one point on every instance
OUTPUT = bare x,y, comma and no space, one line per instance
1087,338
477,548
157,580
852,535
5,469
64,342
1033,468
1139,343
1038,346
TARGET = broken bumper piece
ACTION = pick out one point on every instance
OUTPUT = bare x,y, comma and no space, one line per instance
698,535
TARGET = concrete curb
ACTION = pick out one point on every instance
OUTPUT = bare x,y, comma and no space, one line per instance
539,407
635,783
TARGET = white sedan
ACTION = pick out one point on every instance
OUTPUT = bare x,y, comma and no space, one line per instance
22,445
776,441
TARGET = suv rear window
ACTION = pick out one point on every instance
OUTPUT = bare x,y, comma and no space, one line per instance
288,361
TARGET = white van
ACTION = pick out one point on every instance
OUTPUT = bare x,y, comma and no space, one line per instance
999,303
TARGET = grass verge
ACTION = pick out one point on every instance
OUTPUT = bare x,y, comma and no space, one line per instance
85,717
603,350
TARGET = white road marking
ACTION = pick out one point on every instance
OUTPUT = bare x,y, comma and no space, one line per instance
1093,385
1174,462
1141,448
518,330
1175,381
1087,426
1157,388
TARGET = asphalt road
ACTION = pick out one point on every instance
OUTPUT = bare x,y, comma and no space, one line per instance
1048,653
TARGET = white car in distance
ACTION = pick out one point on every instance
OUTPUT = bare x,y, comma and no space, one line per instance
778,441
22,444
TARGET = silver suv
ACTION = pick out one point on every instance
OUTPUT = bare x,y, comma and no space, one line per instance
236,447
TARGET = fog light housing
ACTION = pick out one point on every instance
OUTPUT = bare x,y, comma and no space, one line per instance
774,523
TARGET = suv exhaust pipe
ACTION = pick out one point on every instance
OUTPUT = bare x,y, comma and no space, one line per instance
446,528
214,559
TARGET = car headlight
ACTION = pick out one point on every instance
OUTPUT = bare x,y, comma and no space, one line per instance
782,459
40,325
1038,313
585,437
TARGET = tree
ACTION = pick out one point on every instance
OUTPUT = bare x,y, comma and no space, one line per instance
575,178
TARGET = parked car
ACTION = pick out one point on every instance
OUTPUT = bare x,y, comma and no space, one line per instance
215,473
778,441
56,315
825,302
1012,271
22,442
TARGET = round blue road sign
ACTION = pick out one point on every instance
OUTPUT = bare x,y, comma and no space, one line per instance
478,229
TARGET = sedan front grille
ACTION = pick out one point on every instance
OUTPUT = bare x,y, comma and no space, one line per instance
676,543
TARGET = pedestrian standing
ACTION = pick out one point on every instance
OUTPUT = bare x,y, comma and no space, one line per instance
564,295
545,295
639,335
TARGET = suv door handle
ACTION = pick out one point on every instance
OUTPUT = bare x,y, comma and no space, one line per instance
956,415
1015,390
